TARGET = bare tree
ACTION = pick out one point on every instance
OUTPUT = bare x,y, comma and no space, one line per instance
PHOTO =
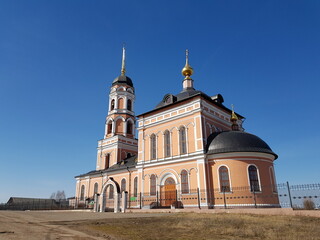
59,195
53,196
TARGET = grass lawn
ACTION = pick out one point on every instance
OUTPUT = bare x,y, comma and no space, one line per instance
206,226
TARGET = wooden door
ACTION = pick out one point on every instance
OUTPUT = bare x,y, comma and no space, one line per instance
168,193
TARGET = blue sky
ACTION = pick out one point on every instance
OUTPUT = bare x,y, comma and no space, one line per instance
58,59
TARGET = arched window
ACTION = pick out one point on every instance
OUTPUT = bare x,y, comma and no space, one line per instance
254,179
123,185
95,188
120,103
153,186
167,150
82,193
224,179
184,182
129,104
111,191
129,127
153,147
112,104
135,187
119,126
182,139
109,127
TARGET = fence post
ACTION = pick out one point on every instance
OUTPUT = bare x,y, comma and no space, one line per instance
254,198
176,202
289,193
198,198
157,198
224,198
140,200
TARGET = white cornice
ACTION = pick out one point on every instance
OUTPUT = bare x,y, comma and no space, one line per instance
141,121
116,138
189,104
122,93
216,109
170,119
176,159
121,111
118,145
241,154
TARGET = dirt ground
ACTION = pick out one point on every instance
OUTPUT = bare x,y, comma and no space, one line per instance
66,225
48,225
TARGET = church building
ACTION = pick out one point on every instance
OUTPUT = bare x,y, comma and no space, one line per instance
191,151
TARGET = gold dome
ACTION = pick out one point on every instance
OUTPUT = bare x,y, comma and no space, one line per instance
234,116
187,71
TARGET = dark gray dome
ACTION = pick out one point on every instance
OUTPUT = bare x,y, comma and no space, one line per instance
122,79
236,141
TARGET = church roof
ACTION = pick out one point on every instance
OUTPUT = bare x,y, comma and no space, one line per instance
124,164
236,141
170,99
122,79
184,94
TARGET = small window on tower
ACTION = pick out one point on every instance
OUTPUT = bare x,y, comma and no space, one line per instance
106,161
109,127
129,105
129,128
112,104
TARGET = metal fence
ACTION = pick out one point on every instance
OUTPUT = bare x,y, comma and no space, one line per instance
295,196
281,195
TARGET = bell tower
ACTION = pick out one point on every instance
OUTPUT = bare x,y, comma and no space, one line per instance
119,141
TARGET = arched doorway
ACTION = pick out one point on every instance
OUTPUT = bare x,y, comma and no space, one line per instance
168,192
108,198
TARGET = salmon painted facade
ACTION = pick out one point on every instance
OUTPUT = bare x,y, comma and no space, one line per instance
191,151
